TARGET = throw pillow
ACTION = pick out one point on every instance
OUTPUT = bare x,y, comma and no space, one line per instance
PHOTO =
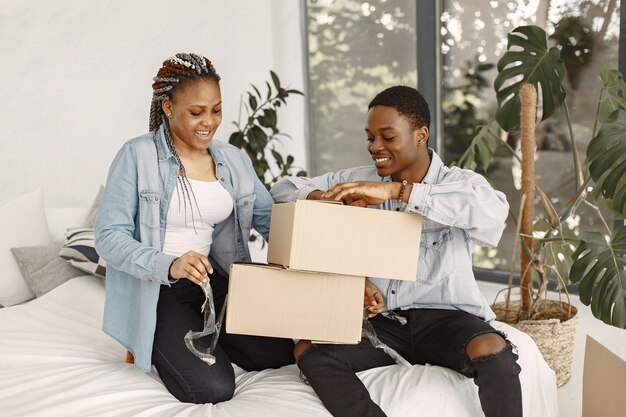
79,250
60,218
93,212
22,223
43,269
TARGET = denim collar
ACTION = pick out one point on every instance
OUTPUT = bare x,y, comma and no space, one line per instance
433,170
163,150
216,154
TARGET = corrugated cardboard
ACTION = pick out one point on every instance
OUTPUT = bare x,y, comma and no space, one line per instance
321,236
267,300
604,382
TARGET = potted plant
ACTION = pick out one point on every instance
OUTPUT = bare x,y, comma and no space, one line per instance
595,261
259,135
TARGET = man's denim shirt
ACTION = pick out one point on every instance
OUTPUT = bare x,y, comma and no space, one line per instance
459,209
131,226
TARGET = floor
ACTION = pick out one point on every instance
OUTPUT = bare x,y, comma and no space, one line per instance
570,395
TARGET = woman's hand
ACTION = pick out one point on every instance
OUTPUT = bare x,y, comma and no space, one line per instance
301,347
363,193
192,266
373,301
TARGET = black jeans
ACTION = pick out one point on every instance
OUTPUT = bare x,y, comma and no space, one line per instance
437,337
187,377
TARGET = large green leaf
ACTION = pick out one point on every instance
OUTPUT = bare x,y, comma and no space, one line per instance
606,155
482,148
528,60
600,269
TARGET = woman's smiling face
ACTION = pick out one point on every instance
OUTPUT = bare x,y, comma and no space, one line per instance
195,113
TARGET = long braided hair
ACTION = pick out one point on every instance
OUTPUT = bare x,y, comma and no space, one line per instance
174,73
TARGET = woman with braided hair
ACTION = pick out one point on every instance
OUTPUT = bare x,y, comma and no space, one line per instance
177,211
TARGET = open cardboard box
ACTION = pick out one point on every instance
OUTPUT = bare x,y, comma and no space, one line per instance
268,300
604,382
321,236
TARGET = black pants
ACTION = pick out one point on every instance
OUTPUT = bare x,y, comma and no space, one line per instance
437,337
187,377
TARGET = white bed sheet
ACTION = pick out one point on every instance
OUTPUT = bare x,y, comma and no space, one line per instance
56,361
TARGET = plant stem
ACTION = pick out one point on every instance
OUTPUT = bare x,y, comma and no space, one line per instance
558,239
577,165
597,209
515,154
515,241
596,122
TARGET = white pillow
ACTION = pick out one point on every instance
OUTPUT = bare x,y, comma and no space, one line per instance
61,219
22,223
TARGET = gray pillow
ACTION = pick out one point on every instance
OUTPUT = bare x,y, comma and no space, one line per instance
42,268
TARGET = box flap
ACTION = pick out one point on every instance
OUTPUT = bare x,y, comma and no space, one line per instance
604,382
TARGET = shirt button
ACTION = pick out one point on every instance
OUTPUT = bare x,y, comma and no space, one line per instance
416,207
222,179
393,291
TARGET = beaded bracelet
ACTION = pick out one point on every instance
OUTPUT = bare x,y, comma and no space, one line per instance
404,184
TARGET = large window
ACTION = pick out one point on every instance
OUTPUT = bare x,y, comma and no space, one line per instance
473,40
355,49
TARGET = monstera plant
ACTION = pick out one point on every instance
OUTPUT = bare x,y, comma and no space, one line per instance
595,261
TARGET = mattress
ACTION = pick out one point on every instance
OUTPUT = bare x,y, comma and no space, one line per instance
56,361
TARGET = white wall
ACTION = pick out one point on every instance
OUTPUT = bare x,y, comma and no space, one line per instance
75,79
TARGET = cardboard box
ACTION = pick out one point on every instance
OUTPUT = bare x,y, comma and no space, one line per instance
268,300
604,382
325,237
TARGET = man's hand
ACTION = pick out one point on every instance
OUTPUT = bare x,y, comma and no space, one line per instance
373,301
315,195
192,266
363,193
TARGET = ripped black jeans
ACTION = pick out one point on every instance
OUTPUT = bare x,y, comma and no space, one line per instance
437,337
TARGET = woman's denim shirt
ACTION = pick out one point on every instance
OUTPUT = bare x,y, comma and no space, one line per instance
459,209
131,226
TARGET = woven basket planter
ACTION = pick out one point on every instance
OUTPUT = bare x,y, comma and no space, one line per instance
553,330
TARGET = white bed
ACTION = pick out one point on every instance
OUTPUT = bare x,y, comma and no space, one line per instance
55,361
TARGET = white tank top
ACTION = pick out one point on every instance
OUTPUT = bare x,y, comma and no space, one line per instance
215,205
